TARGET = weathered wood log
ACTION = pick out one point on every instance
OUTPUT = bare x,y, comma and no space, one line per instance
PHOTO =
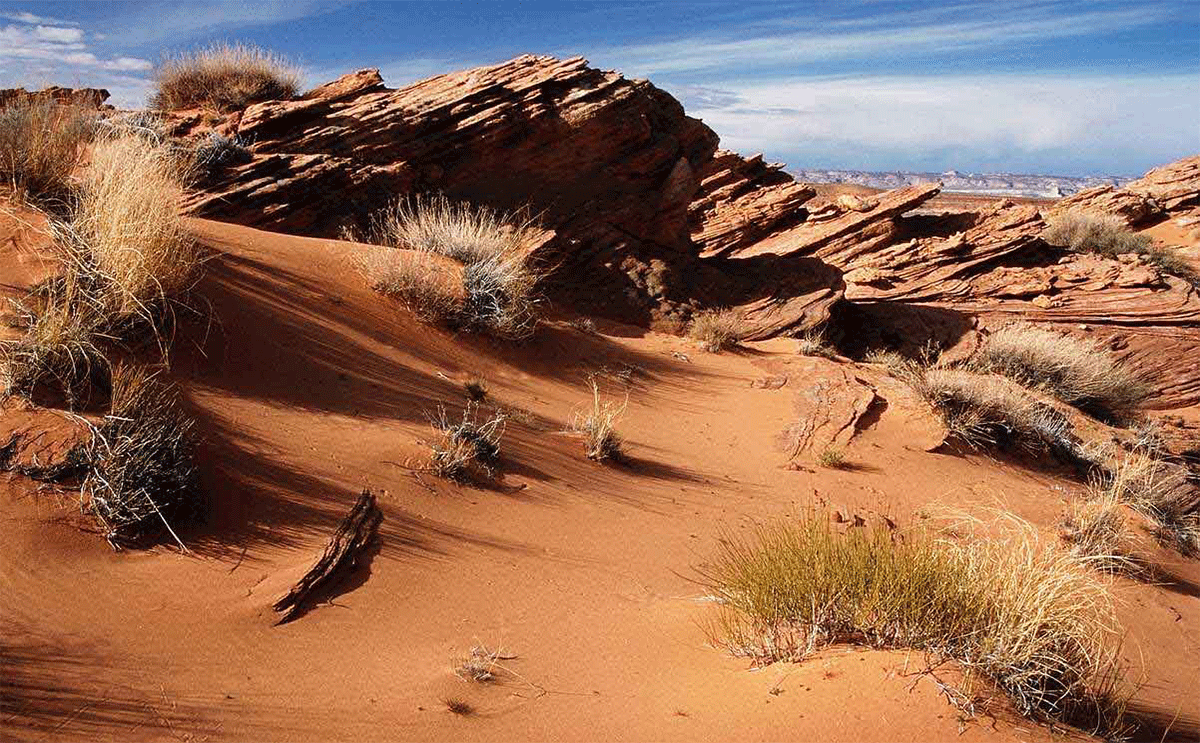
353,536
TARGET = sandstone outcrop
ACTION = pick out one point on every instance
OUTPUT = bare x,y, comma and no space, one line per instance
611,166
84,97
1170,191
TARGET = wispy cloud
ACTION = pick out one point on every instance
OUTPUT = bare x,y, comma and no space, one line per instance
31,18
1022,120
788,42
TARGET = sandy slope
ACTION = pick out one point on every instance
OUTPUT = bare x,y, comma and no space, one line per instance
308,387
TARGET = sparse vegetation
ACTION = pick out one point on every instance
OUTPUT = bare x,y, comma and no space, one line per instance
469,446
125,240
140,474
813,344
40,146
60,347
225,77
1025,617
481,665
1161,492
125,254
982,409
1107,235
1098,532
476,389
459,707
497,292
716,330
219,151
598,425
832,458
1076,371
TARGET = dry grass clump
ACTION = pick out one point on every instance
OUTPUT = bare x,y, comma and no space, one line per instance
125,254
716,330
598,425
125,235
1076,371
469,446
481,665
40,146
1025,617
1161,492
140,473
813,344
497,294
982,409
476,389
60,348
1098,532
218,152
225,77
1106,235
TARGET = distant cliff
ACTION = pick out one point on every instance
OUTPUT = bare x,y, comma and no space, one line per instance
1001,184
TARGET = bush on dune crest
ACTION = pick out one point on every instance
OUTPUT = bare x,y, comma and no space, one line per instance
225,76
497,293
1012,611
1076,371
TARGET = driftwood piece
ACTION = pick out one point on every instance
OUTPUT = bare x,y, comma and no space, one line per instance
353,536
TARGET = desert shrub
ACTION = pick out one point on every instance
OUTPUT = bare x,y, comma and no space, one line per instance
1098,533
40,146
481,665
832,458
716,330
140,474
1025,617
1076,371
814,344
60,348
1083,232
498,287
225,77
597,423
466,447
476,389
1106,235
982,409
125,238
1159,490
219,151
149,125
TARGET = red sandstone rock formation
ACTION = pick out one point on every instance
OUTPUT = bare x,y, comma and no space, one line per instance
1170,191
85,97
612,166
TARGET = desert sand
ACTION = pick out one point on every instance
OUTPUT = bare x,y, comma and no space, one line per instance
308,387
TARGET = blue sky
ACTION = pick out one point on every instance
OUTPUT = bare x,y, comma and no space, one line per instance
1069,88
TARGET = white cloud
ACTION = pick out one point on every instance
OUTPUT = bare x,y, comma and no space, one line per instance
61,46
882,122
58,34
31,18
